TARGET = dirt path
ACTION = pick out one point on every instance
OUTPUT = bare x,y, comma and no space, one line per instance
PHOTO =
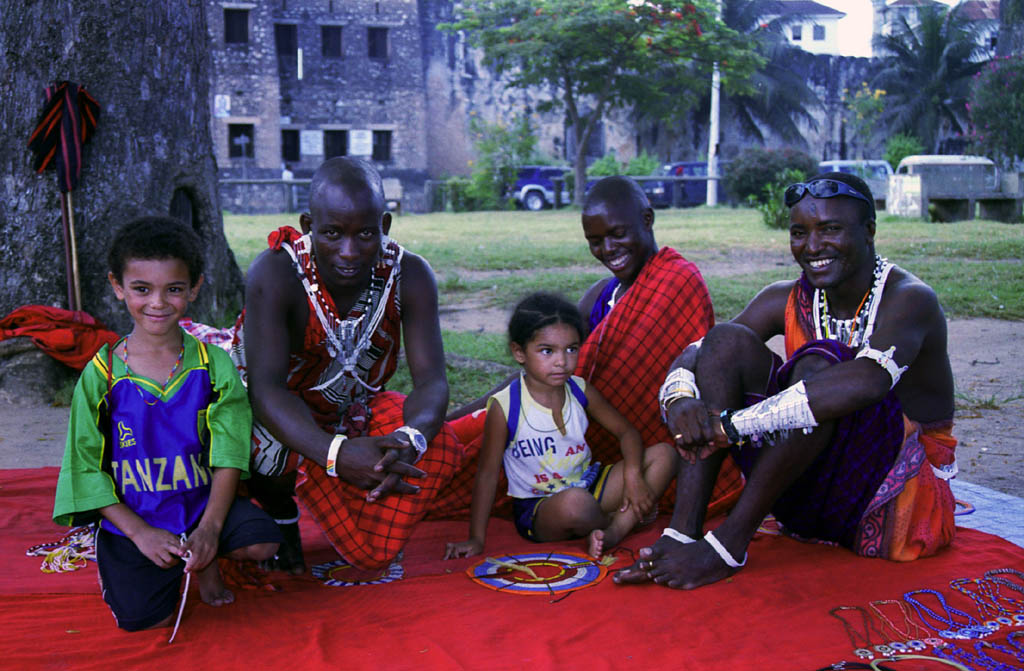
986,356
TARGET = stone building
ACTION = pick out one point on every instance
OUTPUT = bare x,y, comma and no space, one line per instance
299,81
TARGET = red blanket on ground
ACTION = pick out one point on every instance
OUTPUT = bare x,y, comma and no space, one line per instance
771,615
70,337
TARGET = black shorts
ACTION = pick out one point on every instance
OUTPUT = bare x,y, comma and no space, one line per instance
524,511
140,593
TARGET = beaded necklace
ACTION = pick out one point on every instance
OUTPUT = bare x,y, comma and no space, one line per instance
855,331
953,629
988,598
994,576
914,634
174,369
862,651
980,661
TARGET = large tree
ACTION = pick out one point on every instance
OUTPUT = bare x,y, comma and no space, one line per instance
926,73
601,54
148,66
1011,28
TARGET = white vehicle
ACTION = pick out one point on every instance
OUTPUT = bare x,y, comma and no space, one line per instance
874,171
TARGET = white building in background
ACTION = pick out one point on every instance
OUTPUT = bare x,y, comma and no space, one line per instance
984,14
809,25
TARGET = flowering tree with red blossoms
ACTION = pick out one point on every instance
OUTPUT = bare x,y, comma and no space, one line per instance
601,54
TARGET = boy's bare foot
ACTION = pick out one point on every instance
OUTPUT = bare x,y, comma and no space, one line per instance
677,565
211,586
595,543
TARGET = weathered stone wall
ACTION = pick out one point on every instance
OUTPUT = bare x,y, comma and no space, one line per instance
147,64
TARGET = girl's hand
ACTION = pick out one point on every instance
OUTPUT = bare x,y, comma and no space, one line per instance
636,494
464,549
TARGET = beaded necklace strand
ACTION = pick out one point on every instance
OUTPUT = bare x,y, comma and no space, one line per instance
988,599
995,576
953,629
174,369
857,330
862,651
912,638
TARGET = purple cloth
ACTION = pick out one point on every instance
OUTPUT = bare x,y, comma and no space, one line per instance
828,500
601,309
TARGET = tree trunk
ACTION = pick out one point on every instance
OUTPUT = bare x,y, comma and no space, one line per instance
1010,40
148,66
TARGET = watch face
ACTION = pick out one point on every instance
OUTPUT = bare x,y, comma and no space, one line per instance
419,442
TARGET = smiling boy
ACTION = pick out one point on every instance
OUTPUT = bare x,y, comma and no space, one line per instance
849,441
157,440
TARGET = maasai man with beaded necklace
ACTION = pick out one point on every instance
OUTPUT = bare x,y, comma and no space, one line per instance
326,312
849,440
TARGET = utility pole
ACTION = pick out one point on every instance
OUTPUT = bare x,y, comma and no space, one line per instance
713,128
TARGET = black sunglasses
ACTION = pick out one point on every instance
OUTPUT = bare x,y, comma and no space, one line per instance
822,188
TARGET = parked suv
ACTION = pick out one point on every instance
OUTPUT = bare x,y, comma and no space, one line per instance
874,171
693,193
535,189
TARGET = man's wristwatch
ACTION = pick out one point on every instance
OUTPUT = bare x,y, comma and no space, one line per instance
419,443
332,454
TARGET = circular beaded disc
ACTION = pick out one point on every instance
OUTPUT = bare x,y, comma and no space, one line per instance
333,574
556,572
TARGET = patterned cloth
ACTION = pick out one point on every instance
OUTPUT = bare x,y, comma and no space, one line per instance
339,383
909,512
626,358
370,535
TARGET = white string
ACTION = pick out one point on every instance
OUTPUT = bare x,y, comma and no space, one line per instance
184,595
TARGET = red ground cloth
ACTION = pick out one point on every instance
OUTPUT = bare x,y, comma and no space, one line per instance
773,615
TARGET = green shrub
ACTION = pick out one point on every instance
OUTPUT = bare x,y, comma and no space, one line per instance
757,168
643,164
899,146
772,204
997,110
606,166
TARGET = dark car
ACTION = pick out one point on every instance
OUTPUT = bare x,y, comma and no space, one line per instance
692,192
535,187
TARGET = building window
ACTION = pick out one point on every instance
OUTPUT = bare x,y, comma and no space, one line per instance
819,32
286,38
335,143
236,26
330,41
240,140
377,38
798,33
290,145
381,145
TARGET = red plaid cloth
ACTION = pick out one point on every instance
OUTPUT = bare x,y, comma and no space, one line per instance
626,358
629,353
370,535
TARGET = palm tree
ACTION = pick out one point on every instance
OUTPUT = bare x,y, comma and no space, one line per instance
780,99
927,72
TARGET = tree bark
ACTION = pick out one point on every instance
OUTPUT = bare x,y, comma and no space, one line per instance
148,66
1010,41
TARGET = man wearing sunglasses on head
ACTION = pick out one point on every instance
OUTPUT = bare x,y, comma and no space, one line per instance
847,441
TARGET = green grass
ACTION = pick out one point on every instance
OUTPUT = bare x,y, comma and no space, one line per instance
494,258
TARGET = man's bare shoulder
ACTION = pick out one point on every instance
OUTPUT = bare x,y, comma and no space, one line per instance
586,303
910,297
766,311
269,268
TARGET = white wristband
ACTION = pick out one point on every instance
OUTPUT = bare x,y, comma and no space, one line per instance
332,454
416,439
